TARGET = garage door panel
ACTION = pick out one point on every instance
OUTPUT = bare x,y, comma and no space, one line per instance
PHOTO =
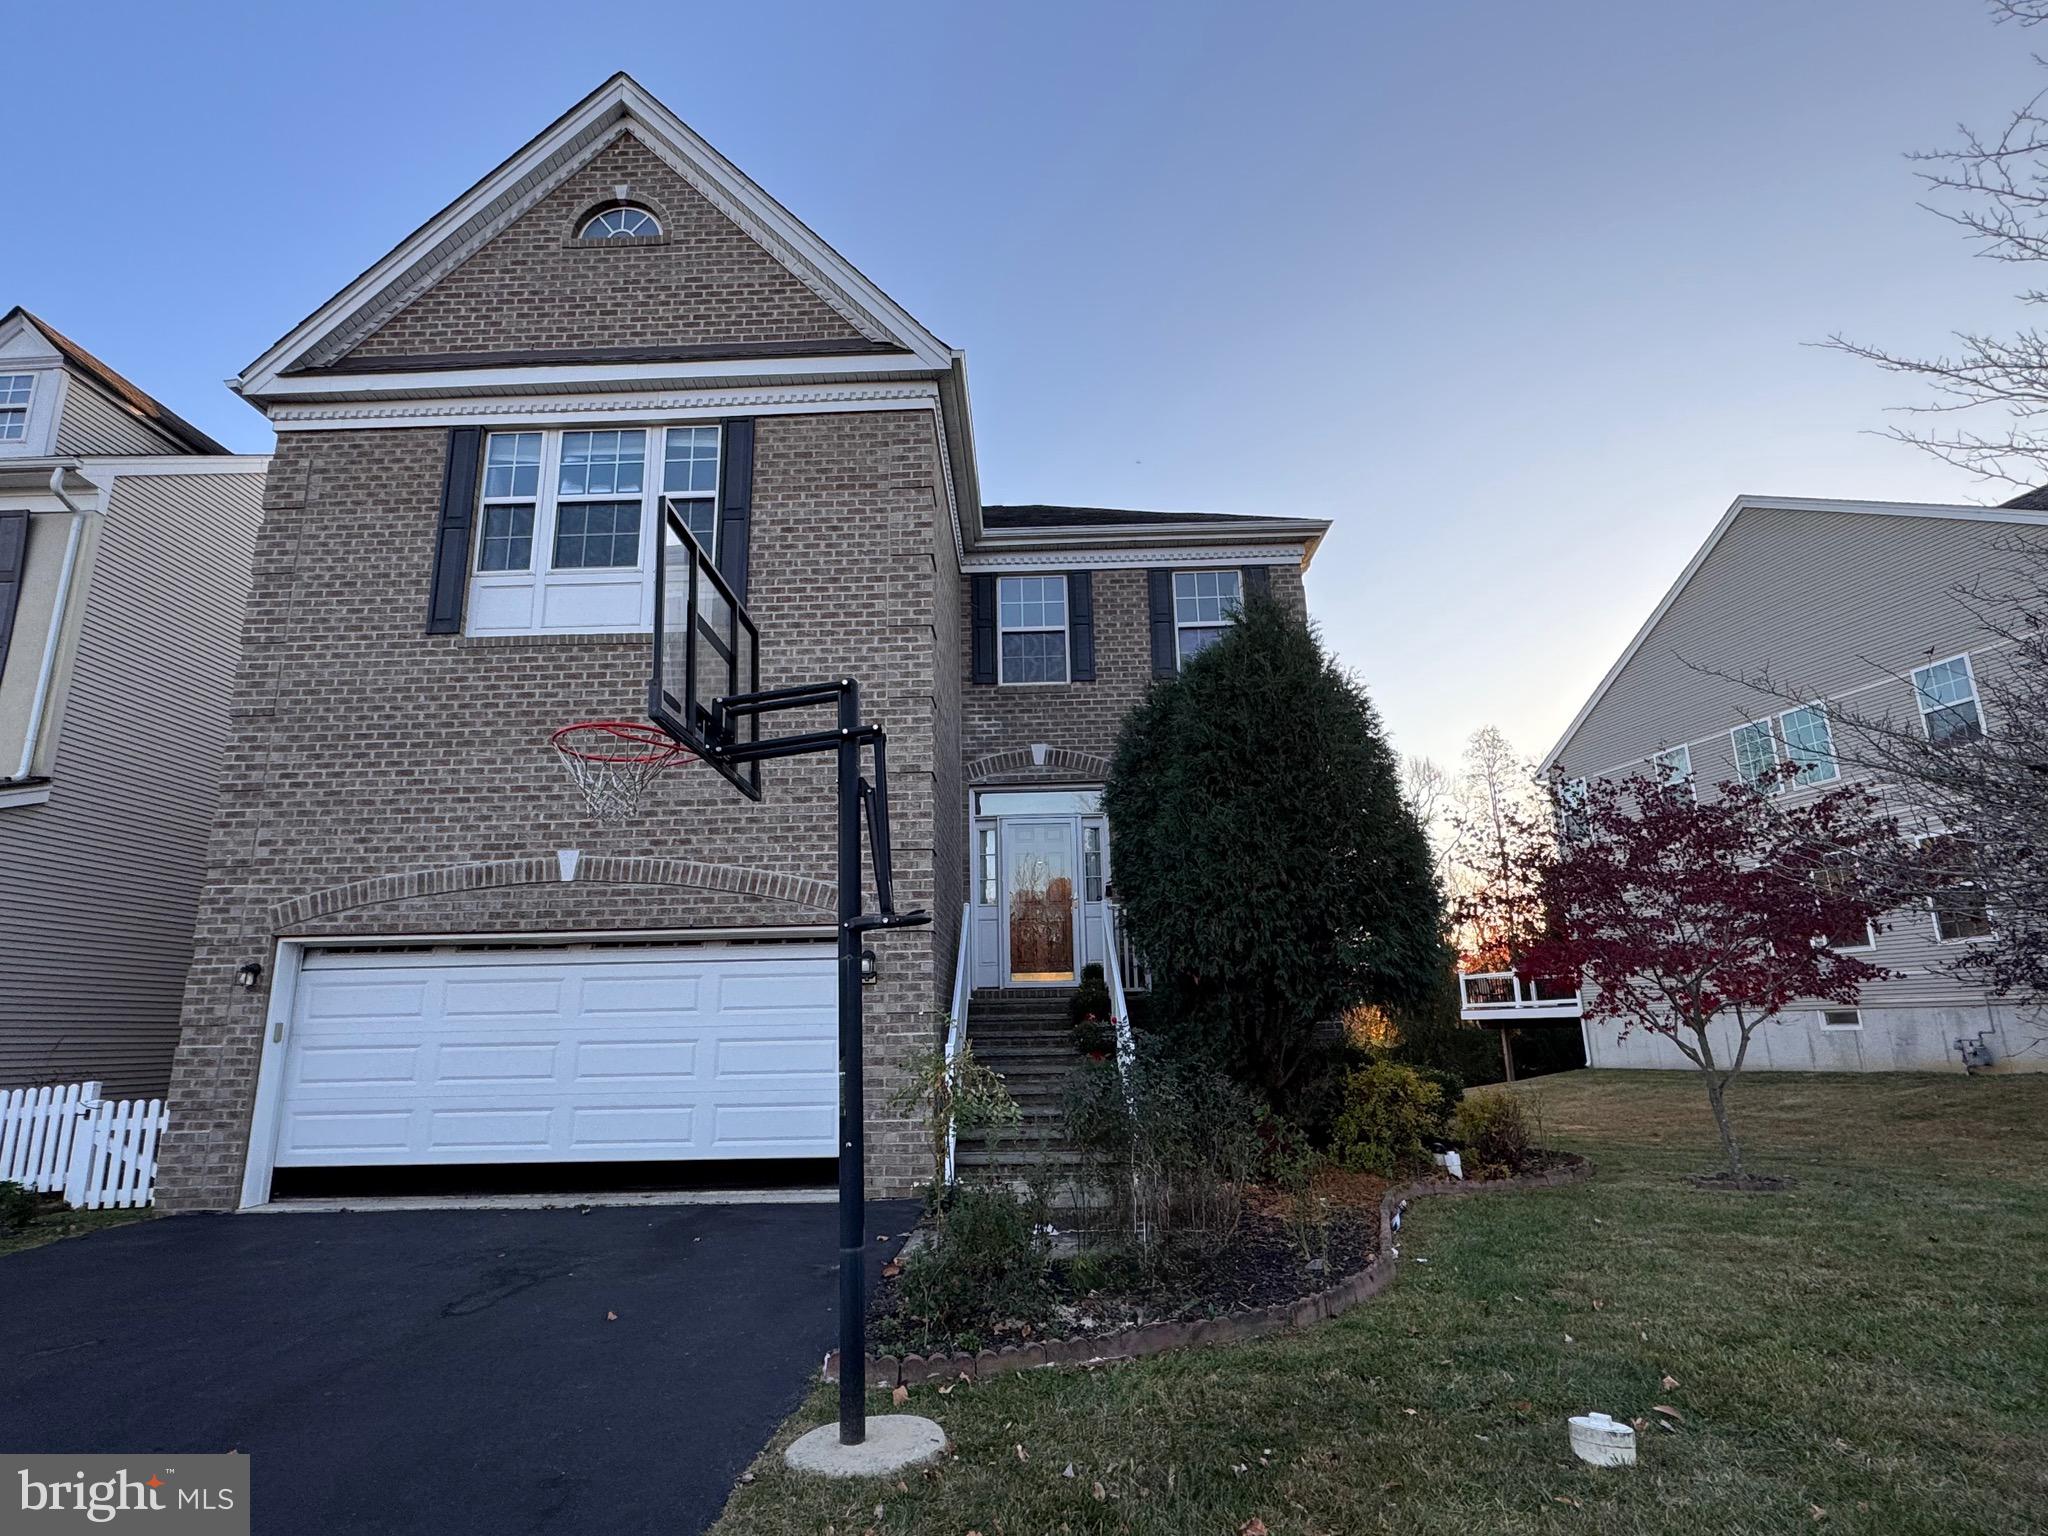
646,1062
672,1054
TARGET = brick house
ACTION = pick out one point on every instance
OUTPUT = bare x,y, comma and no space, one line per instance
459,965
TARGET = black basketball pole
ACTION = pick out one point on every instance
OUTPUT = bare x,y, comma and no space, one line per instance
853,1228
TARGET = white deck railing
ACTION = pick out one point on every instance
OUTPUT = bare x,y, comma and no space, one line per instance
1503,997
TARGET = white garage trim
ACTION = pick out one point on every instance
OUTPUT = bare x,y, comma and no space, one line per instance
316,983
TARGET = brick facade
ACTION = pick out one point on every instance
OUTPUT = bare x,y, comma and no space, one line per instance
382,781
1079,721
534,286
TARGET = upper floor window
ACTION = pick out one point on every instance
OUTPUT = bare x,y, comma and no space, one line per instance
15,389
1672,768
1947,695
1573,823
1031,629
1800,738
622,220
1203,603
562,527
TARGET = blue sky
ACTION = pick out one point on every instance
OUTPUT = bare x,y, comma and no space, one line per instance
1517,294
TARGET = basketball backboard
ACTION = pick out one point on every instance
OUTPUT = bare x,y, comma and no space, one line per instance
705,649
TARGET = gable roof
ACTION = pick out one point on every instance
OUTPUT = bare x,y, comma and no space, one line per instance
2009,513
619,106
143,406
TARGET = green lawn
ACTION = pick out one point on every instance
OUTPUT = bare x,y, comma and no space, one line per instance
1865,1353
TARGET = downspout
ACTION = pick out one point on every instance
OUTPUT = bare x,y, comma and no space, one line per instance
58,610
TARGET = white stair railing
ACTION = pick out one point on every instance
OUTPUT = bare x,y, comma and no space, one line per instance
956,1023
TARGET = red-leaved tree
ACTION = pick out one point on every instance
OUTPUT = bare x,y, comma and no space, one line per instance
1674,913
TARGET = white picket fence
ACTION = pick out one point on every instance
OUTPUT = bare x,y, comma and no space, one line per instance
69,1140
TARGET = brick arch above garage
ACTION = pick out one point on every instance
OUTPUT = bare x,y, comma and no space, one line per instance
1017,763
547,870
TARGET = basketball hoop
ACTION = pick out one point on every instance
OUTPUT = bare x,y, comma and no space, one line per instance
614,761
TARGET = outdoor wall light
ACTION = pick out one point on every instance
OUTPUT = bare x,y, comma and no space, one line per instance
249,977
870,968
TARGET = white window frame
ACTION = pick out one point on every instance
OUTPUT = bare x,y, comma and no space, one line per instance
1572,824
22,412
540,577
1660,764
597,216
1823,941
1827,1017
1233,606
1819,710
1767,726
1934,909
1975,699
1064,629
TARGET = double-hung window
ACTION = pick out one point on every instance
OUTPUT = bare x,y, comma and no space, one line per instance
1961,911
1800,738
1672,768
1947,695
1203,604
15,391
1031,622
563,541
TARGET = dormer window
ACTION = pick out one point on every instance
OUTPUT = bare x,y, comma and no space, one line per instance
15,389
618,222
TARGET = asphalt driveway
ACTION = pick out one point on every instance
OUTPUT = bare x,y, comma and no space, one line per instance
436,1371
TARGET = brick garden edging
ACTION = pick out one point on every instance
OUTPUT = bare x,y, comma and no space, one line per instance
1231,1328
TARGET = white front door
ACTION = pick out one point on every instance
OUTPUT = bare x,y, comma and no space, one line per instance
622,1055
1041,858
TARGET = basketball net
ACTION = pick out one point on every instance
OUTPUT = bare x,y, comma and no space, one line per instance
614,762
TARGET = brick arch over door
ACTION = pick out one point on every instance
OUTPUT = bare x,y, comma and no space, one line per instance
546,869
997,765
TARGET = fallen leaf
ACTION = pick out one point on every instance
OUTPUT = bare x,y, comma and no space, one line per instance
1523,1405
1817,1512
1569,1339
1410,1412
1598,1304
1099,1492
946,1389
1668,1383
1668,1411
900,1396
1252,1527
746,1477
611,1317
1559,1498
892,1269
1022,1454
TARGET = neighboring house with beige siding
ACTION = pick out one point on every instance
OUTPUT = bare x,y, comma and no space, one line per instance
1851,606
125,541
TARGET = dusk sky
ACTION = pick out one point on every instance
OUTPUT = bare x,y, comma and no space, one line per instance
1516,294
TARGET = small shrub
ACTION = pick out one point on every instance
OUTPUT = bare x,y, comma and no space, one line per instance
1496,1130
18,1207
1452,1087
1090,1010
1316,1095
985,1272
1388,1110
960,1094
1291,1167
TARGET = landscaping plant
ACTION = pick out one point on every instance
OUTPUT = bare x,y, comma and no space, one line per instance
1388,1112
18,1207
1092,1013
983,1273
1313,892
1702,920
1496,1133
960,1094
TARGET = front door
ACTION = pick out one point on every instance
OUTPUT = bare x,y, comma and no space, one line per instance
1040,855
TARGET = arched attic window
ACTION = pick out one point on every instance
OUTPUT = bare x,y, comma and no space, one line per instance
619,221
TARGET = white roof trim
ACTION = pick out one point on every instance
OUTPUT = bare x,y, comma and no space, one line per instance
1943,510
617,106
1183,556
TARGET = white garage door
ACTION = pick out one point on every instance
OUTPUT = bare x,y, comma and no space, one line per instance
618,1055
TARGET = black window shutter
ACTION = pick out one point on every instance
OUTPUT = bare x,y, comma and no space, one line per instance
735,502
450,585
1080,627
1165,647
983,604
13,564
1257,581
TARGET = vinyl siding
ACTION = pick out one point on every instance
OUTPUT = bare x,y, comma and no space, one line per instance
94,423
1831,605
101,881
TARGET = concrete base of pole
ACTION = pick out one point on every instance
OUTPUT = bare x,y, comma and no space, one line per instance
895,1441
